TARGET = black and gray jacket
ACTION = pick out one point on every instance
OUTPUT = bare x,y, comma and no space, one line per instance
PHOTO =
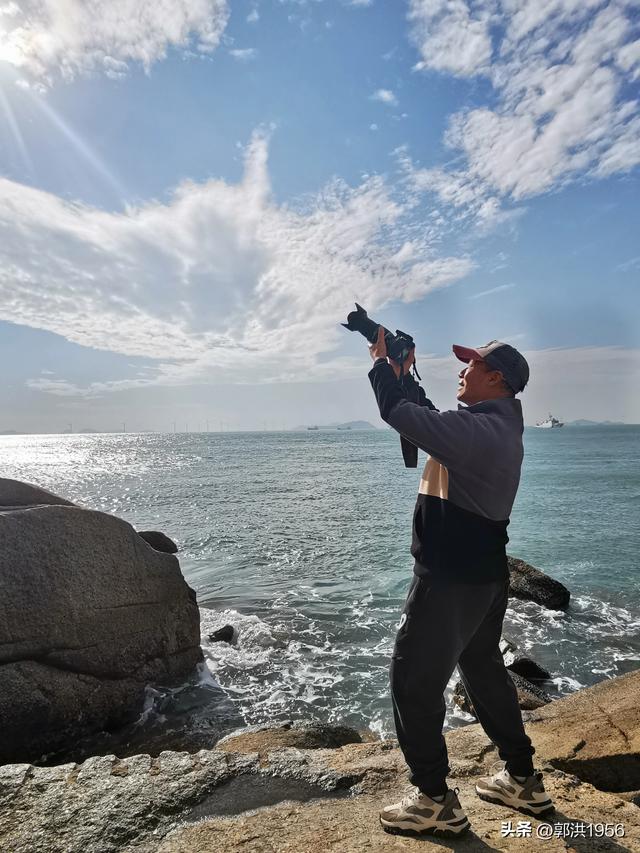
468,485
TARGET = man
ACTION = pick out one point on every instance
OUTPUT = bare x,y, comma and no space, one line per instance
458,596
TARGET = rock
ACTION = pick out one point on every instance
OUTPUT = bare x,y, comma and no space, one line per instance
530,697
89,615
530,584
159,541
263,739
226,634
311,799
594,733
529,669
461,698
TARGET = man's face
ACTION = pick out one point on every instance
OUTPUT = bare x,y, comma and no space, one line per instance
477,381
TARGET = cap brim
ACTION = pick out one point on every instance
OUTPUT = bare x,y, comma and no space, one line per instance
466,353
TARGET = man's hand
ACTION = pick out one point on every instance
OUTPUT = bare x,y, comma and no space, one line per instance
379,349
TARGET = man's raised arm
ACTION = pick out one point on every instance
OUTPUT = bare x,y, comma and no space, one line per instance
445,435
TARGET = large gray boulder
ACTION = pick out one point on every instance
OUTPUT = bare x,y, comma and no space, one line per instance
89,615
14,493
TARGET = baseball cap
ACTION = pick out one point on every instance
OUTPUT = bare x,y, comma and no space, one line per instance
499,356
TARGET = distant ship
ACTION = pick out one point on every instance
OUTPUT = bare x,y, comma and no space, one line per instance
313,427
550,423
343,427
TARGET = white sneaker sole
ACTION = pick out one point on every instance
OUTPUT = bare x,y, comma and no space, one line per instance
499,799
444,830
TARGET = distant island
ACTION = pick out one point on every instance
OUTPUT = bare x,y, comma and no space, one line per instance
584,423
349,425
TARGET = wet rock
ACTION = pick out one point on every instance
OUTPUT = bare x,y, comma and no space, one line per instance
89,615
529,669
530,697
159,541
530,584
226,634
263,739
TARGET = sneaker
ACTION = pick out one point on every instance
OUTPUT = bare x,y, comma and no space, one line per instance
529,796
418,814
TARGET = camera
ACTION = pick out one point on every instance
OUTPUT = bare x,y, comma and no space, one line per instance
399,345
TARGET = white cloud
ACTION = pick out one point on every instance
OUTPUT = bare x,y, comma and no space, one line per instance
629,265
451,35
46,38
628,58
220,282
559,69
385,96
497,289
244,54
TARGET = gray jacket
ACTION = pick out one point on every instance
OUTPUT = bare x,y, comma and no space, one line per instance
468,485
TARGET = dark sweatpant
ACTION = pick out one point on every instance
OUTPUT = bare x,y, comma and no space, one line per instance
444,624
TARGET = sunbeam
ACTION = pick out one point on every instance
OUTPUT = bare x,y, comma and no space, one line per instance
14,127
80,146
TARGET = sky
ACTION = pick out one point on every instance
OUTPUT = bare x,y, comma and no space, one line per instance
193,194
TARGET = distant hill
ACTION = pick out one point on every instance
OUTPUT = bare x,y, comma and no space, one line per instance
348,425
583,423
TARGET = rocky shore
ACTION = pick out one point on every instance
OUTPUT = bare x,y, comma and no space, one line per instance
92,612
303,790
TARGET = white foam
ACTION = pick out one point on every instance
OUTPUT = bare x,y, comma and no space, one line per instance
377,727
255,645
151,699
566,684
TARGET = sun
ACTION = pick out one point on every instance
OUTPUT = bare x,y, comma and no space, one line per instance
9,41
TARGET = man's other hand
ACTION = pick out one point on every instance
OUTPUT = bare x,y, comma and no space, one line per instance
408,363
406,367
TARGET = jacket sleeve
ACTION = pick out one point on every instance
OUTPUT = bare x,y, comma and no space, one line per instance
445,435
415,393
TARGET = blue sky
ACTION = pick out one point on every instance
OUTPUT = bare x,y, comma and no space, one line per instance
194,193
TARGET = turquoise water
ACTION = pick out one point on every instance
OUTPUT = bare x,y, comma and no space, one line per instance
301,540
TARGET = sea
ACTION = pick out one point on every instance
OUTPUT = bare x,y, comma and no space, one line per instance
300,541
